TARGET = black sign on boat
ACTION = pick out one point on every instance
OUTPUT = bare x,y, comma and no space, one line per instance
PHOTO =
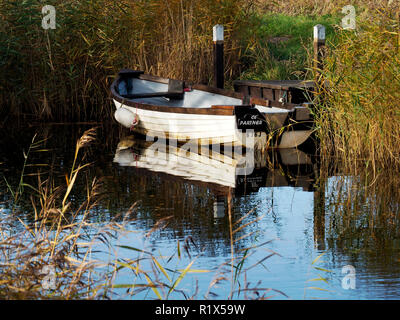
248,118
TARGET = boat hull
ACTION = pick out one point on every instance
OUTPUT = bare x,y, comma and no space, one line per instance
179,126
206,130
147,105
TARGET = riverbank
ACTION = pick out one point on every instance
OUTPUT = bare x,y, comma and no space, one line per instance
64,74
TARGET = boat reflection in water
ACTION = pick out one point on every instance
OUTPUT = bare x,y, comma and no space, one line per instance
228,173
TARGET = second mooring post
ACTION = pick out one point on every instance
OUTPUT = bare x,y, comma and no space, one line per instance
218,39
319,50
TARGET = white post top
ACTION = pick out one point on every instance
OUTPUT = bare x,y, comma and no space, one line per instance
218,32
319,32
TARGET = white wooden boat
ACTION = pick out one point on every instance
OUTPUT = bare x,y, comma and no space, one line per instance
172,109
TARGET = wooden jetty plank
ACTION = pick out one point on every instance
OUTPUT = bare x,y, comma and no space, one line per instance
289,91
276,84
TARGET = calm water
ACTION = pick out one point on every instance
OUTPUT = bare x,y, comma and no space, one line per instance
290,212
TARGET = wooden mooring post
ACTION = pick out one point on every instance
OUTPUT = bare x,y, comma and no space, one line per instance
218,39
319,51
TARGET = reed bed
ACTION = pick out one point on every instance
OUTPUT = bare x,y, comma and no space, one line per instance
358,118
64,74
46,253
316,7
57,249
363,216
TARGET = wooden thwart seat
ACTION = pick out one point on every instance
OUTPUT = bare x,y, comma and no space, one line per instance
175,91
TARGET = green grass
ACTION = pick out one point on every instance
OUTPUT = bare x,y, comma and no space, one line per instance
280,45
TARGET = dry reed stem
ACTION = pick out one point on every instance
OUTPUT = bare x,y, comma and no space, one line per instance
358,119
